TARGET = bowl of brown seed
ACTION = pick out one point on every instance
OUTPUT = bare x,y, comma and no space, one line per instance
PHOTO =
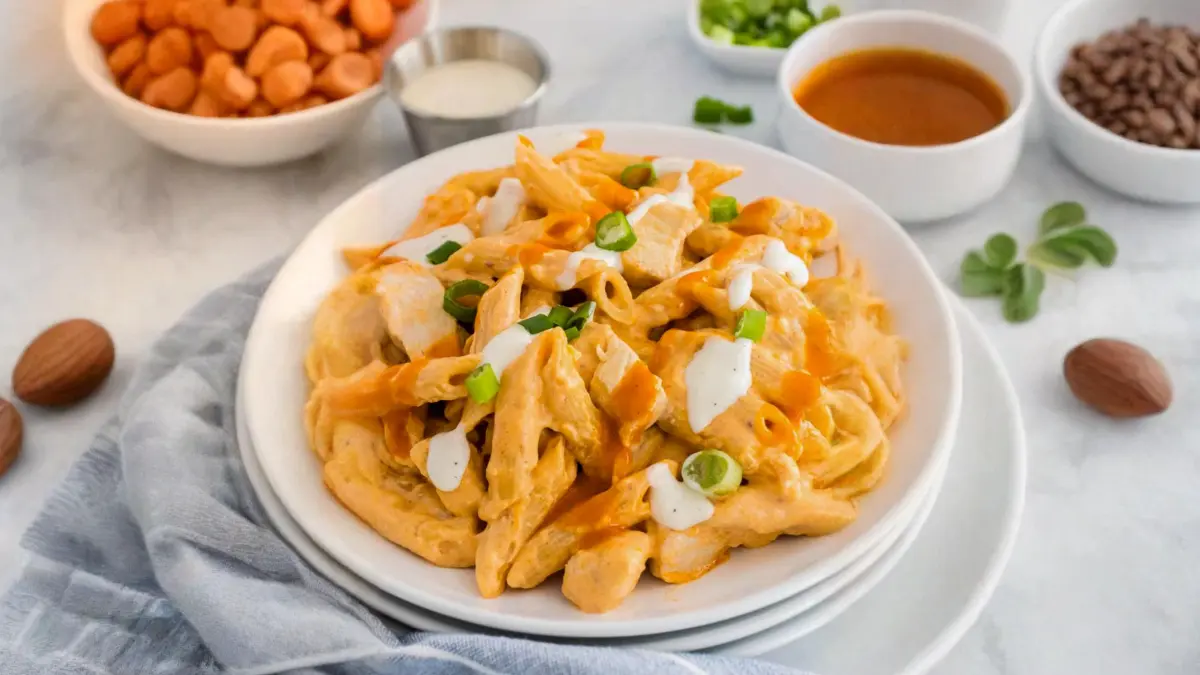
1121,85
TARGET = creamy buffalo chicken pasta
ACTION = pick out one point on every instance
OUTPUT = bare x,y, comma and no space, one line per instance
596,363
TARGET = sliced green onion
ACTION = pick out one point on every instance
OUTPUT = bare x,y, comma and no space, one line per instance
582,315
462,289
560,315
712,473
829,13
572,333
638,175
614,233
720,34
537,323
797,21
442,253
708,110
742,115
722,209
482,384
751,325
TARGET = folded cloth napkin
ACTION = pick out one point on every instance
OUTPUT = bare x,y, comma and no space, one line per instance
155,557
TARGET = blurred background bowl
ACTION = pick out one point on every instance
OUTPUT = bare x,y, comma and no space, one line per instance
911,183
1137,170
230,142
430,132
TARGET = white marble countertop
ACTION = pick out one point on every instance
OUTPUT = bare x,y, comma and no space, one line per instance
1106,573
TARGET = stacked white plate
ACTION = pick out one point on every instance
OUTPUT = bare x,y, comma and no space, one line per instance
761,599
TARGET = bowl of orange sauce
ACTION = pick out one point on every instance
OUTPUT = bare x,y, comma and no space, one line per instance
923,113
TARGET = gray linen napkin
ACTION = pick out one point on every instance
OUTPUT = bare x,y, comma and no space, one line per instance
155,557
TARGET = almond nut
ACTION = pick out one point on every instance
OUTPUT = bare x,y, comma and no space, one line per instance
64,364
11,432
1117,378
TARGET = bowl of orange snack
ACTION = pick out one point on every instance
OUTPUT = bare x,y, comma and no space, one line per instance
240,82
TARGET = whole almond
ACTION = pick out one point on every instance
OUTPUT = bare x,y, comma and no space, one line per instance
1117,378
11,432
64,364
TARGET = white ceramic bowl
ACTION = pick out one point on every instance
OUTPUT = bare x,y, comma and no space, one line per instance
910,183
737,59
228,142
276,389
1138,170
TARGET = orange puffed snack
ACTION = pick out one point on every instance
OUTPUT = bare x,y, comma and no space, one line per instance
244,58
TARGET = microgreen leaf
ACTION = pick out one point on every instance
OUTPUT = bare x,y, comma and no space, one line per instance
1001,250
1023,288
974,262
982,283
1059,254
1063,214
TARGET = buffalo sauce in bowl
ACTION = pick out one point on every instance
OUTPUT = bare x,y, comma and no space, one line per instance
902,96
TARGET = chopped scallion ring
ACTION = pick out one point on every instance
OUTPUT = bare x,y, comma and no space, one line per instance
739,115
722,209
751,325
708,110
537,324
712,473
614,233
482,384
462,289
579,319
442,253
560,315
572,333
638,175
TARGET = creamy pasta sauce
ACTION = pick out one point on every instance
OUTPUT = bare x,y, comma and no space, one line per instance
718,375
673,504
570,274
415,250
468,88
447,460
499,210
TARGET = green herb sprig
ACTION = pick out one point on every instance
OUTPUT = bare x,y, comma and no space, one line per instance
1065,242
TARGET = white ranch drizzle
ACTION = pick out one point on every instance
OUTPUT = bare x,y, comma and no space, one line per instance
503,206
673,504
415,250
741,282
505,347
683,195
570,274
777,257
717,376
447,460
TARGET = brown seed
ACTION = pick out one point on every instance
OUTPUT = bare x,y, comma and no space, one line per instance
1074,98
1118,378
1117,101
1184,120
1135,118
1097,92
1148,136
1178,141
1190,95
1117,127
1138,70
1161,122
64,364
1154,75
1117,71
12,430
1182,55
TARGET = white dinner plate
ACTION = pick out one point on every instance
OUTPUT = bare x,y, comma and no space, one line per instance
275,391
908,622
890,547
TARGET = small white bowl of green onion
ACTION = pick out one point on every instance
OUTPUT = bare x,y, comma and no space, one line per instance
750,37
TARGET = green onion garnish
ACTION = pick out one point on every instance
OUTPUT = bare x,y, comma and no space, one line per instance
742,115
722,209
537,323
708,110
797,21
614,233
442,253
560,315
572,333
462,289
829,13
638,175
712,473
482,384
751,325
579,319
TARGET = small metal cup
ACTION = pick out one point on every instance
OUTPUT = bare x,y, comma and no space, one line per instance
430,133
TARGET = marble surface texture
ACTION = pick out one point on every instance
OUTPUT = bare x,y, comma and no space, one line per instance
1105,577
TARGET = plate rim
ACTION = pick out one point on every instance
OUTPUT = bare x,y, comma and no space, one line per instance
586,627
